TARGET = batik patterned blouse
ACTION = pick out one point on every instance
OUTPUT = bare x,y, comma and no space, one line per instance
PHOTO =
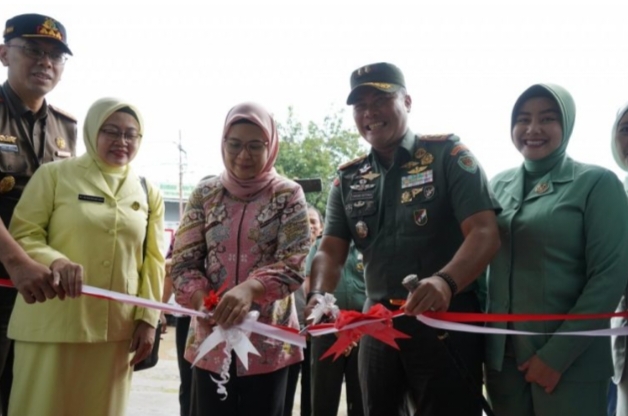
222,238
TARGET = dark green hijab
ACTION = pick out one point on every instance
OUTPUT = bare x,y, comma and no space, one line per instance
567,108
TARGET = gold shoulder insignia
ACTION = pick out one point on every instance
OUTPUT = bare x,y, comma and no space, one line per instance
352,162
436,137
62,112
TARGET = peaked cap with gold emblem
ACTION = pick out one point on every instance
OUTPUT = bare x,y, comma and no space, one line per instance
383,76
36,26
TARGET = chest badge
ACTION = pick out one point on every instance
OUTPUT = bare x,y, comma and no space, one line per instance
541,188
361,229
8,139
416,170
60,141
427,159
365,168
7,184
409,165
419,153
429,192
406,197
362,185
417,179
420,217
370,176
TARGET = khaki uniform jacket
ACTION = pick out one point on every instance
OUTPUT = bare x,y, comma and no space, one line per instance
24,148
68,211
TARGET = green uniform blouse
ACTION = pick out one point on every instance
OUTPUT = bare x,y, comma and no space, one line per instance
564,249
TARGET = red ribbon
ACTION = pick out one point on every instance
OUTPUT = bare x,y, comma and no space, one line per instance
381,330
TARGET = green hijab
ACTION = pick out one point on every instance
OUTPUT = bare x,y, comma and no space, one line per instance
620,159
567,108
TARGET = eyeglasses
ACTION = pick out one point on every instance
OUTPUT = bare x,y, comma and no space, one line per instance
56,57
254,147
116,135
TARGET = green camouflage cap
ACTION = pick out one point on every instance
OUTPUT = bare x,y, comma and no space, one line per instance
383,76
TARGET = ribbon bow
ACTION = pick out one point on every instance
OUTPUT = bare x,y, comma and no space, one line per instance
235,339
352,326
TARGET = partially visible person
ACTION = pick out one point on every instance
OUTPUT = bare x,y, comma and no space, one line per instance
32,132
328,374
316,227
416,204
619,147
246,229
90,221
564,232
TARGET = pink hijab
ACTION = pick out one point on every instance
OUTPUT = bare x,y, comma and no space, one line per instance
249,188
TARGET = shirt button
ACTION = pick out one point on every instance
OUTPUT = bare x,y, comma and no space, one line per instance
112,232
113,204
106,263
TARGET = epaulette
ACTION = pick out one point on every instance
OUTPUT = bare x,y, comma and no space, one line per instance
438,137
352,162
62,112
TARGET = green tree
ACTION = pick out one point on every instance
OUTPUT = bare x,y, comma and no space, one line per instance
316,151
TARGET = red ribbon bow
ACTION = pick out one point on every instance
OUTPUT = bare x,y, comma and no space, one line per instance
381,328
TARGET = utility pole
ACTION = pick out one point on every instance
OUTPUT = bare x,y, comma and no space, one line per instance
181,151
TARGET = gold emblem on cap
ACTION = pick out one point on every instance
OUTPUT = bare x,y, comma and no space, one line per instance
135,205
541,188
8,139
49,28
7,184
60,142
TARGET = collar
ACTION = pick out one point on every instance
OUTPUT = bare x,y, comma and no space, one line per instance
404,152
18,106
562,172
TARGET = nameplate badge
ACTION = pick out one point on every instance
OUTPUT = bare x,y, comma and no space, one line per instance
91,198
12,148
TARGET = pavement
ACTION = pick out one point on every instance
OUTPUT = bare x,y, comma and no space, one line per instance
155,392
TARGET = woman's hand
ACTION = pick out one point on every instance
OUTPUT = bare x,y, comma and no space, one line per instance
536,371
236,303
68,276
142,342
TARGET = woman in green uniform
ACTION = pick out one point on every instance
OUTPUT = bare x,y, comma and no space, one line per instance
564,234
619,146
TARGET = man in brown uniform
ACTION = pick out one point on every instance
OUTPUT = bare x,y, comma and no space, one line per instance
32,132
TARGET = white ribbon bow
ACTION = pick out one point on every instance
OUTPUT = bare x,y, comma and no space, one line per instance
325,306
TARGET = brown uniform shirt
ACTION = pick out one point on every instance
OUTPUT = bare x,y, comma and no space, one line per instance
28,140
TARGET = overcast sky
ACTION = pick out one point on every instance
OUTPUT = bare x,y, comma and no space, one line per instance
185,64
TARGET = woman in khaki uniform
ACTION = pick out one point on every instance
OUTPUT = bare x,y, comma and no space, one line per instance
87,219
564,234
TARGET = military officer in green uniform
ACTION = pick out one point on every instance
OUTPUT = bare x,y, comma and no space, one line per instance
32,132
564,232
328,374
416,204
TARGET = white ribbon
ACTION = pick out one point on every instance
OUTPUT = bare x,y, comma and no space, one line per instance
455,326
235,338
325,306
